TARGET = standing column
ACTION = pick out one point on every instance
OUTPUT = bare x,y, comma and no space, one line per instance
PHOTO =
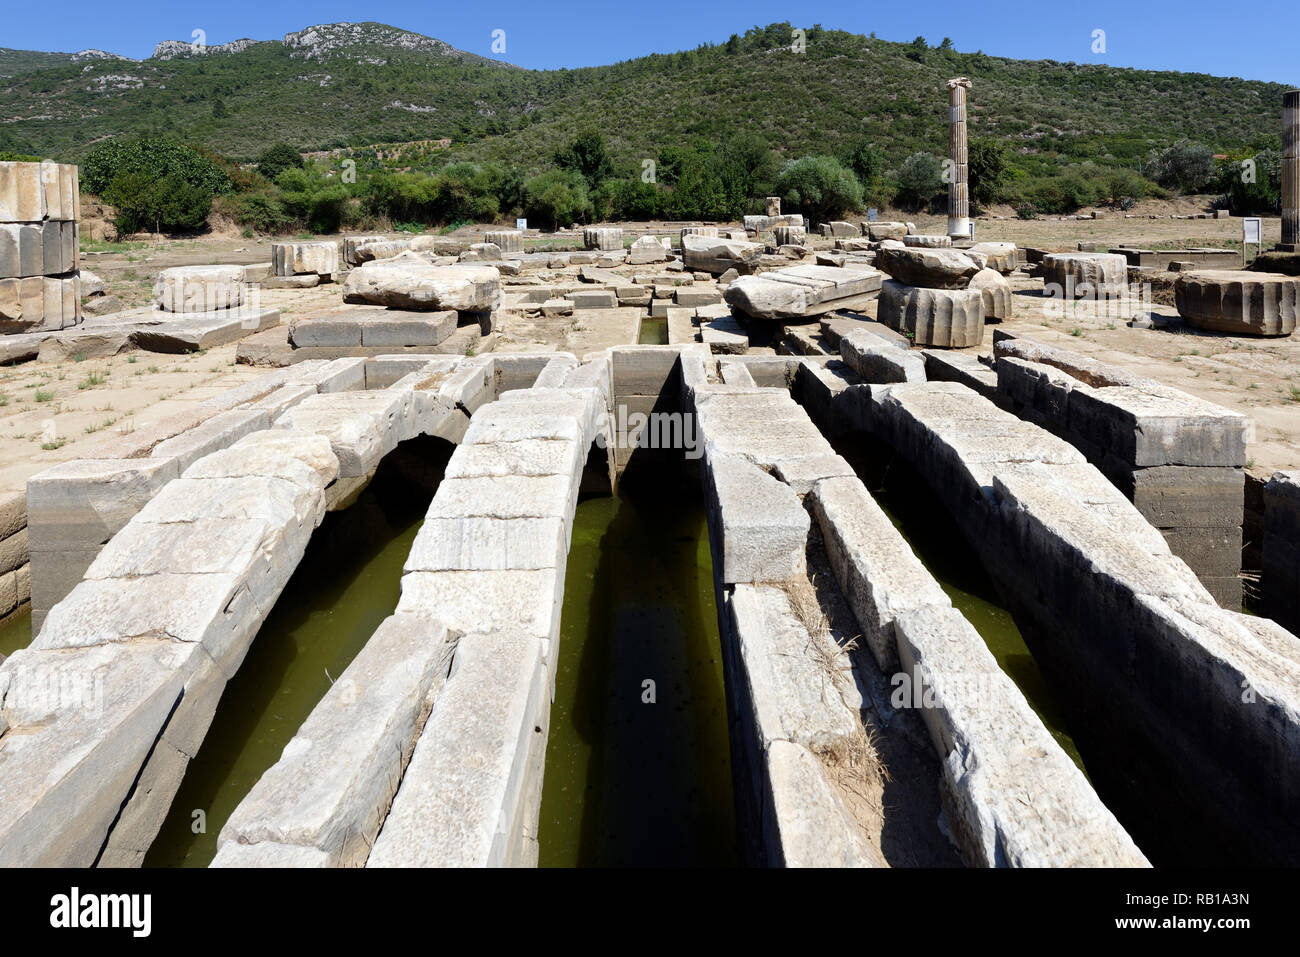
1291,171
958,191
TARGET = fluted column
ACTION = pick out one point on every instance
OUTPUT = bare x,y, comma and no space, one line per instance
1291,170
958,190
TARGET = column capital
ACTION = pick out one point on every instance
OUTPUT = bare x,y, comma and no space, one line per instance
959,81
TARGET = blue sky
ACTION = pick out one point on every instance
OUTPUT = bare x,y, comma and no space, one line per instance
1256,39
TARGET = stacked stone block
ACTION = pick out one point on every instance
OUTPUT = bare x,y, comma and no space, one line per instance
604,238
929,298
1179,459
305,259
40,288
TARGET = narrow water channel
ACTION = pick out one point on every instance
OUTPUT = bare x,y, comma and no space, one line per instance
942,548
16,632
639,774
654,332
347,583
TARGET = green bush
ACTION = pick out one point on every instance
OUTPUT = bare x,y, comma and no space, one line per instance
262,210
920,180
557,197
167,205
986,170
1185,166
1263,196
819,187
867,161
278,158
631,199
155,157
312,201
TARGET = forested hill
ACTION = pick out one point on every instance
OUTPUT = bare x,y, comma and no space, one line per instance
342,85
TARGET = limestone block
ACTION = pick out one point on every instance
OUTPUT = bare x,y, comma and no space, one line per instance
1002,257
927,241
267,854
793,695
838,228
481,252
602,237
928,268
507,240
33,192
1013,797
1240,302
203,330
759,520
463,288
716,255
725,336
808,826
647,249
996,293
947,318
37,249
352,243
361,427
462,799
333,785
39,303
87,719
790,235
879,362
593,299
217,433
296,259
879,574
189,289
86,501
1085,275
884,230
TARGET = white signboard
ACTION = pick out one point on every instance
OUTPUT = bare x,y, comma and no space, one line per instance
521,224
1252,230
873,214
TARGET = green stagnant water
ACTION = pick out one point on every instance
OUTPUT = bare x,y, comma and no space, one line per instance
942,548
630,782
16,633
347,583
654,332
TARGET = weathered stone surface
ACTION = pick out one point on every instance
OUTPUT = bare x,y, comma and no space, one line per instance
877,361
39,303
602,237
32,192
935,241
1085,275
295,259
929,268
809,826
792,696
352,243
884,230
879,575
507,240
467,288
332,787
996,293
1003,257
762,527
801,291
715,255
1013,797
190,289
1245,303
467,790
947,318
838,228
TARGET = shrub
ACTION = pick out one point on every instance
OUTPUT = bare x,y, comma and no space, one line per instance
1263,196
1185,166
1026,211
986,170
154,156
168,205
867,161
920,179
558,197
262,210
633,199
278,158
819,187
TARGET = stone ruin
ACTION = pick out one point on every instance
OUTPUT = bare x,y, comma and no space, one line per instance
40,284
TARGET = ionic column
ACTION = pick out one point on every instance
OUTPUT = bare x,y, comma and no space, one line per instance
1291,170
958,191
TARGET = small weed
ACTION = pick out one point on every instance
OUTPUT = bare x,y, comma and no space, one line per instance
92,380
1077,332
130,360
51,446
43,396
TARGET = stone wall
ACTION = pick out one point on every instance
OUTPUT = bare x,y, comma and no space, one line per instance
1184,711
40,284
1179,459
1280,578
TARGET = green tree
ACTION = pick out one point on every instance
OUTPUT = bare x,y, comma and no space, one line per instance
1252,184
986,170
867,161
920,179
587,155
1185,166
558,197
820,187
278,158
167,205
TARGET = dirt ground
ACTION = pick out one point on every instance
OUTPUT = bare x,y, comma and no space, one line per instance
54,412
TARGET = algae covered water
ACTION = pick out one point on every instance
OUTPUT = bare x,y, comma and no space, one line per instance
942,548
637,763
16,633
347,583
653,332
